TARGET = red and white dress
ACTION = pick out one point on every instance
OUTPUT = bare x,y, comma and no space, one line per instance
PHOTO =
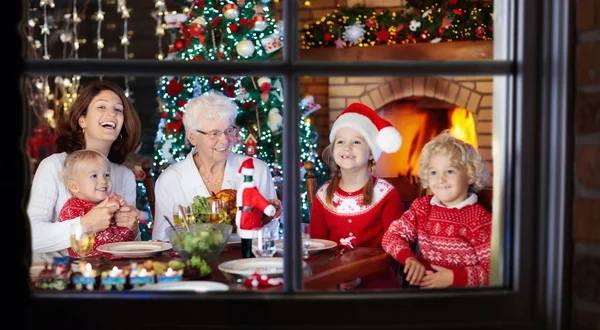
455,237
349,217
75,207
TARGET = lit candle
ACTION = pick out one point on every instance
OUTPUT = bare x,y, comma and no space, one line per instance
170,272
115,272
88,270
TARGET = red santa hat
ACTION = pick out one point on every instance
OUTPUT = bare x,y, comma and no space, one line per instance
247,167
379,133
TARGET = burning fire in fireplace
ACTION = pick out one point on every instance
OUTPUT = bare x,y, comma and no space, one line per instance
417,127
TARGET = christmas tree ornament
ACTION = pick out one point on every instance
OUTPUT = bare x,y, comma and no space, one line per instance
241,94
179,45
197,30
245,47
309,103
272,43
174,87
354,33
275,119
264,84
250,143
231,11
200,21
265,1
280,26
258,9
173,21
241,3
250,203
260,22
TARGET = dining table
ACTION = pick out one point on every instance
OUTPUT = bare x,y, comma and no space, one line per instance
324,270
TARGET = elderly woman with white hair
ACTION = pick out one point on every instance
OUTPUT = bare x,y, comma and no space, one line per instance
211,166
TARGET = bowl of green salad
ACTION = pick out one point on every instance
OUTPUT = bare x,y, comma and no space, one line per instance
204,240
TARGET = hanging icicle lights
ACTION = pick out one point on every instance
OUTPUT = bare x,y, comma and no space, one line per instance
122,8
159,15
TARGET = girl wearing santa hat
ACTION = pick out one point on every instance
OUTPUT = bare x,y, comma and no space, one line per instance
452,228
355,206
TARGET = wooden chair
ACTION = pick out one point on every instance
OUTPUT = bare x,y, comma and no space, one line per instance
311,183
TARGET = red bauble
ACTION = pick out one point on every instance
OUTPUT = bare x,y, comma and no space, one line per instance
174,87
327,37
179,44
233,27
181,102
197,30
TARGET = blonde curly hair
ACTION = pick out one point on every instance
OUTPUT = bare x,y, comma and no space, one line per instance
462,154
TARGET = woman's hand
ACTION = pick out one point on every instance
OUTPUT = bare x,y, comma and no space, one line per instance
127,216
98,218
441,278
350,285
414,270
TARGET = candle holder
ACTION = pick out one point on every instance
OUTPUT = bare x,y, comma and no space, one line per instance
85,278
113,279
139,277
169,276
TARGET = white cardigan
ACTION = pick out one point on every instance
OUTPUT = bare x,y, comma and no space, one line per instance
181,182
48,195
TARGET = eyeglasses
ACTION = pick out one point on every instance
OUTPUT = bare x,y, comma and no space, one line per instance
230,132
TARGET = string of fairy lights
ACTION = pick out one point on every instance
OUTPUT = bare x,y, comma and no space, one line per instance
99,19
159,15
124,11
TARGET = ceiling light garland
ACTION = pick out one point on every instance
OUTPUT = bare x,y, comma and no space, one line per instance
44,28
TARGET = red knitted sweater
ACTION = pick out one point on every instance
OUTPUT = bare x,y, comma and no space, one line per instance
75,207
458,239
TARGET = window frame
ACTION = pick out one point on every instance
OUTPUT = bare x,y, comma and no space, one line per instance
537,168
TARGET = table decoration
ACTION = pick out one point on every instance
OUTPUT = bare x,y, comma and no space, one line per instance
85,277
262,281
169,276
115,278
140,276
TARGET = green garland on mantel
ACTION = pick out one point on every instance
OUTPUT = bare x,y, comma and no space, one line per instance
452,20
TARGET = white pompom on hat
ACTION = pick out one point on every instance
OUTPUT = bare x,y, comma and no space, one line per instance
247,167
379,133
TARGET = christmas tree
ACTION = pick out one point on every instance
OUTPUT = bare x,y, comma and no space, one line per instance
218,30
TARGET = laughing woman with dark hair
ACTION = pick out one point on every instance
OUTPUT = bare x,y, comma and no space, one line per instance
100,119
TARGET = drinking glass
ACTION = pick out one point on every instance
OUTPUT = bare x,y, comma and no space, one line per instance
305,230
263,243
82,240
217,211
178,215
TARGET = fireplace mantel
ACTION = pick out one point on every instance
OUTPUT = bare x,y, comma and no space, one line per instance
458,50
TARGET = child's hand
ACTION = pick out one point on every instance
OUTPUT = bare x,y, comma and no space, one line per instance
117,198
441,278
414,270
350,285
98,218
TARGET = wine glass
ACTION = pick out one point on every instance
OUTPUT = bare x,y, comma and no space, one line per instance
263,243
305,230
179,212
217,211
82,240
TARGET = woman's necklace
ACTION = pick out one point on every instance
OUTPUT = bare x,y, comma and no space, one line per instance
217,183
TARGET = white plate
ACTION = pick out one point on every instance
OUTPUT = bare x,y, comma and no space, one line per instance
316,245
248,266
234,240
136,249
197,286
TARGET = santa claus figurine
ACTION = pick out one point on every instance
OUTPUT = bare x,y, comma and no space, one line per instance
250,204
